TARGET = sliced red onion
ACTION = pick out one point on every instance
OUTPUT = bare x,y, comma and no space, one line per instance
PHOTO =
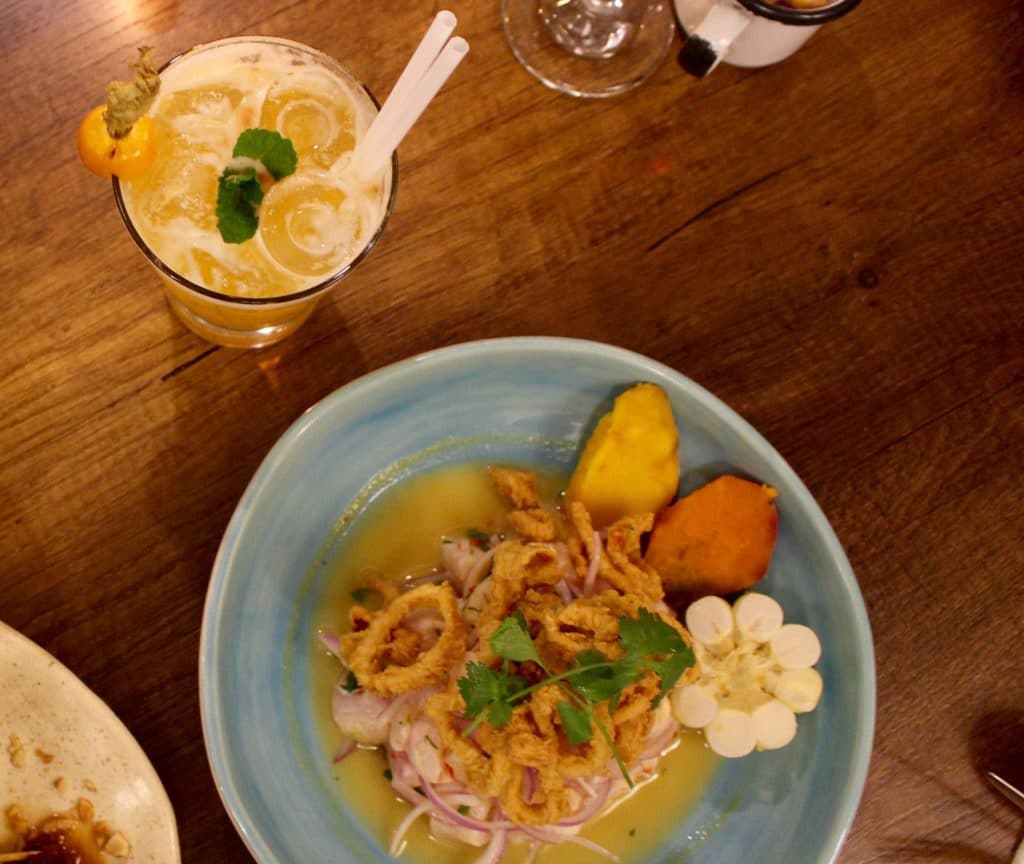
658,744
345,749
331,642
569,571
661,736
405,825
552,837
451,789
459,799
405,791
471,605
533,852
564,591
410,701
529,784
404,777
586,787
453,815
431,576
495,850
591,806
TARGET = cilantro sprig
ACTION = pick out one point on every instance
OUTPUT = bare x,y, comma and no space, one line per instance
239,191
649,645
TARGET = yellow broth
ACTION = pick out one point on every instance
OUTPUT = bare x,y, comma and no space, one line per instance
398,534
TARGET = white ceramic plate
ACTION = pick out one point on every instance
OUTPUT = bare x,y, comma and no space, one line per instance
53,714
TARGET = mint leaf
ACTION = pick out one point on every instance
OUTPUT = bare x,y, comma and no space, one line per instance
238,195
511,641
271,148
239,191
575,722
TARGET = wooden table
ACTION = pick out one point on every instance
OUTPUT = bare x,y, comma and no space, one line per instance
833,245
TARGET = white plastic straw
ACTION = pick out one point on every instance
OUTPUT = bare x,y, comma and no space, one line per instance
424,75
439,32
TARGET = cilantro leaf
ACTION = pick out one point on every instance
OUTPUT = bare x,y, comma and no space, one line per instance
499,713
670,670
647,635
649,644
598,679
575,722
649,638
479,688
275,151
511,641
489,690
238,195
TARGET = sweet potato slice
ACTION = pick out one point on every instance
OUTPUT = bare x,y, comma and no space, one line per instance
717,540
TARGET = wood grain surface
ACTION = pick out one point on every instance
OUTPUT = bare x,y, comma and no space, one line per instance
833,245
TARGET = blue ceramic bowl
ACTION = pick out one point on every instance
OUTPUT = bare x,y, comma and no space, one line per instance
524,400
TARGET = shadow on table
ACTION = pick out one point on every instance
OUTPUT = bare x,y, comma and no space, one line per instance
997,745
231,407
228,408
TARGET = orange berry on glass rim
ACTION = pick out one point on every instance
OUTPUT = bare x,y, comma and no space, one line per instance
128,157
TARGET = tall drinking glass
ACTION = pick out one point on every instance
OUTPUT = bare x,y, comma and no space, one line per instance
589,48
315,225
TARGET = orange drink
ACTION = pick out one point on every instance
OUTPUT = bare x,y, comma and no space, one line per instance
314,225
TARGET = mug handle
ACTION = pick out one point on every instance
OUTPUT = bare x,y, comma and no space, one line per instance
705,46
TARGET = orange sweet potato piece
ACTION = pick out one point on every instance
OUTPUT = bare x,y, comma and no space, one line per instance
717,540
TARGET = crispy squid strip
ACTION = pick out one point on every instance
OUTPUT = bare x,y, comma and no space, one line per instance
519,488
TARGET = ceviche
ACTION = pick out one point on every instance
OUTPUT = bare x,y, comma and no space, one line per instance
538,675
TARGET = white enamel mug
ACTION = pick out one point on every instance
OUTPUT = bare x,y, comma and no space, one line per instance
748,33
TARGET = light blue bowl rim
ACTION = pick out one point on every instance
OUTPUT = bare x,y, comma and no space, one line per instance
514,346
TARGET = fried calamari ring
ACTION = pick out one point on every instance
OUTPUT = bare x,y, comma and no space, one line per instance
371,656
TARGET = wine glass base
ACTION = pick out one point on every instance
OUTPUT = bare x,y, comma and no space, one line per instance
587,77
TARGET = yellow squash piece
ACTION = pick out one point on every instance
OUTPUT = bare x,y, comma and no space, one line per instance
631,461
